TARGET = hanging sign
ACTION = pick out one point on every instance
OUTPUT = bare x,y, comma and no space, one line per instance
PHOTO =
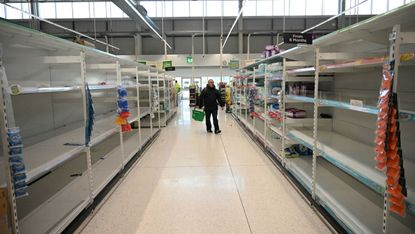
170,69
189,59
233,64
167,63
298,38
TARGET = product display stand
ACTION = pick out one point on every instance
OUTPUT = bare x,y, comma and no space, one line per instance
193,94
334,85
162,97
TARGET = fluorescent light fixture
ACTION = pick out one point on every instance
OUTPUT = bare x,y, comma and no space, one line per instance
145,20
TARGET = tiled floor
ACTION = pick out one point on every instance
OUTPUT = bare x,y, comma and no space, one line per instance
193,182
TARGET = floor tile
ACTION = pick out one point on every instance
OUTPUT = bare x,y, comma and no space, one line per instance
173,200
272,205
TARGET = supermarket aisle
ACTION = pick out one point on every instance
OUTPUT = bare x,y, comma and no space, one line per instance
193,182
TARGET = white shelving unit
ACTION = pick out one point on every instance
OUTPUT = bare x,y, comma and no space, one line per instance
64,172
345,70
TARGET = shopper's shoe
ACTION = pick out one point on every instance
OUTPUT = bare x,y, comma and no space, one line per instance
217,131
209,131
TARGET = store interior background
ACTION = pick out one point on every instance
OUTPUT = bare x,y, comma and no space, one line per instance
185,23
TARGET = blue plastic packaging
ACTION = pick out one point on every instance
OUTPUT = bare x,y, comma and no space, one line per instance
16,150
22,192
122,104
13,159
19,176
20,184
122,92
18,168
14,137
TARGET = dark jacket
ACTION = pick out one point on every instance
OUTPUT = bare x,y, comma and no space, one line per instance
210,98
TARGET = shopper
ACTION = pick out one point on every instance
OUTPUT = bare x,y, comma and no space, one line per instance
177,86
210,98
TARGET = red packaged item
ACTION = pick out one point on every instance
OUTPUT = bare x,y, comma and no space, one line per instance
392,182
400,210
397,201
380,165
125,114
126,128
393,163
392,172
395,191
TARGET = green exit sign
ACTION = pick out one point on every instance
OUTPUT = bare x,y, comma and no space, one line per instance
189,59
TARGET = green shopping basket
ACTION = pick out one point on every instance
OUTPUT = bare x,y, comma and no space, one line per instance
198,115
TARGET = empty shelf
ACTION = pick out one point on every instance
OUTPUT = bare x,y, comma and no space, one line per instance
404,114
45,156
352,204
351,156
58,211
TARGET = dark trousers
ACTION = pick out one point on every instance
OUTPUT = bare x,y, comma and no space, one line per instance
214,114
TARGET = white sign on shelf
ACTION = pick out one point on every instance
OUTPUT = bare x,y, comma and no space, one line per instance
355,102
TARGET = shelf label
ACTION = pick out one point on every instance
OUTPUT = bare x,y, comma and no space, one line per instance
355,102
298,38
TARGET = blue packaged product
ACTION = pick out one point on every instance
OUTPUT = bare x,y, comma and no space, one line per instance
18,158
122,103
18,168
15,150
14,137
122,92
22,192
19,176
20,184
303,150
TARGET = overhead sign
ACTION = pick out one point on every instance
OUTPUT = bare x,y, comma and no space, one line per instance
189,59
170,69
298,38
233,64
167,63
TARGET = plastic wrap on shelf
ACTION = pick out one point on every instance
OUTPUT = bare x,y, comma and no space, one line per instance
388,143
90,115
123,109
17,165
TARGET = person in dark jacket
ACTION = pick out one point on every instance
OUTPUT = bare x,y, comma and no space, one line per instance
210,98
